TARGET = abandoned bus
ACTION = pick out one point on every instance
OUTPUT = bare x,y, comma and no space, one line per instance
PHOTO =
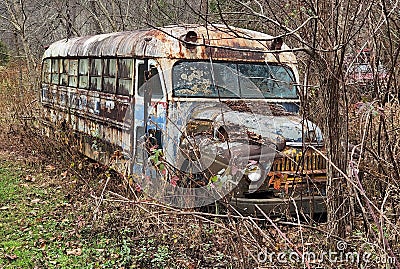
193,114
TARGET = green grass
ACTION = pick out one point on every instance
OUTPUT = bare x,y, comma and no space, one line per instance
41,228
38,226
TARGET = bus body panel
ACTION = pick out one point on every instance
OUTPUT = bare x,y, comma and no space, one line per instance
119,120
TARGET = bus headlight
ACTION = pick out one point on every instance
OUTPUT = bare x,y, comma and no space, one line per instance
254,172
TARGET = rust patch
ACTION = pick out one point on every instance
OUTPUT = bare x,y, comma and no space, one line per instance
235,53
239,105
169,42
257,107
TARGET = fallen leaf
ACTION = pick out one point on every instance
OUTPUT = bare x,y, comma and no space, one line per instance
30,178
114,256
75,252
4,208
174,180
50,167
42,244
11,257
35,201
138,188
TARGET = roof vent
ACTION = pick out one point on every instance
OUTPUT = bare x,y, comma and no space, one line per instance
277,43
190,38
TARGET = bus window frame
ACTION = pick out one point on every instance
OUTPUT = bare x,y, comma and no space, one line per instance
99,75
132,76
64,67
55,71
81,74
109,77
150,63
72,75
46,74
285,65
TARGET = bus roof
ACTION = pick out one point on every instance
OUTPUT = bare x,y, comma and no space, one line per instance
176,42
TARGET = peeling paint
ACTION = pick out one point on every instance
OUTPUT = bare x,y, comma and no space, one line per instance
265,134
222,44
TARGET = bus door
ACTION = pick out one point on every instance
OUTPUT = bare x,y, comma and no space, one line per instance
150,110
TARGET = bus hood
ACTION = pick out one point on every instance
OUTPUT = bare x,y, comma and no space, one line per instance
270,126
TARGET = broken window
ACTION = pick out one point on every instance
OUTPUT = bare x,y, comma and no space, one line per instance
233,80
83,73
141,77
73,73
96,68
125,69
152,79
54,71
109,75
46,71
64,64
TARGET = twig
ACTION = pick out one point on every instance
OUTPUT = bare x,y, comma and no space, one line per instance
283,235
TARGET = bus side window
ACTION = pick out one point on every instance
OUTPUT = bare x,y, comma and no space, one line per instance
125,69
64,65
109,75
152,80
141,77
46,71
83,73
96,68
54,71
155,82
73,73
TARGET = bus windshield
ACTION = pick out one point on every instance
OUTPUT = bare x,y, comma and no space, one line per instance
233,80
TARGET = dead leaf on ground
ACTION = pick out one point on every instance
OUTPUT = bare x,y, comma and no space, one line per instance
4,208
50,167
11,257
35,201
42,244
30,178
114,256
75,252
191,266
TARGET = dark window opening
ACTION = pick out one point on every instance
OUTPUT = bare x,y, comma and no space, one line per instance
83,73
73,73
153,82
125,70
64,68
46,71
109,75
55,74
96,68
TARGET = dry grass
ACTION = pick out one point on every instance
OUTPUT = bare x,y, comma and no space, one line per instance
136,232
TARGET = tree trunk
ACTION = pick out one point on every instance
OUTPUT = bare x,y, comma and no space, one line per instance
340,215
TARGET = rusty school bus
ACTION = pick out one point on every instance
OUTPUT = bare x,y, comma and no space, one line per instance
194,114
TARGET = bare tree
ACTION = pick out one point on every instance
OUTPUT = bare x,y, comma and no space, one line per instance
327,36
